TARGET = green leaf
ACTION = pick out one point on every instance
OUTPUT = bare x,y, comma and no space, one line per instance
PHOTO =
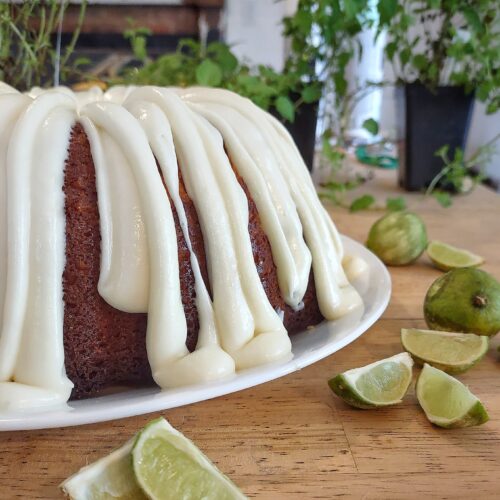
371,125
395,204
443,198
473,19
404,56
442,152
387,10
285,108
420,61
208,74
82,61
311,93
362,203
139,47
390,49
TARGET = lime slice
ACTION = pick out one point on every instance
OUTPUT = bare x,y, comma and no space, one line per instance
446,257
450,352
167,466
447,402
381,383
111,477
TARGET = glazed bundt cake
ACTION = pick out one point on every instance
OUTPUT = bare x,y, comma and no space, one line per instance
153,235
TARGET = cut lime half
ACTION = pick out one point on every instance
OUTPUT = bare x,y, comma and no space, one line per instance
111,477
379,384
447,402
168,466
446,257
450,352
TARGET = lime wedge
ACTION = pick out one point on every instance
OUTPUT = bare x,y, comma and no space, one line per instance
111,477
447,402
167,466
381,383
450,352
446,257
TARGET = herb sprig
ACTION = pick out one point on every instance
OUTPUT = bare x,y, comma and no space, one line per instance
27,54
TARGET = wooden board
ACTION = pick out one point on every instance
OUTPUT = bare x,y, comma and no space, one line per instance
292,438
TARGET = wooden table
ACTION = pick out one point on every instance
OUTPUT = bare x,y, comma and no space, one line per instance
291,438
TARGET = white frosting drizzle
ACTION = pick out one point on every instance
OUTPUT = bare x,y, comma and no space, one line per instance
136,133
336,296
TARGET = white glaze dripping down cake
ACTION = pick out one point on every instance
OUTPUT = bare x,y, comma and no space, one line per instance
151,234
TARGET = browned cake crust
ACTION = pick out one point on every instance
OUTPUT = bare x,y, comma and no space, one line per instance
102,346
294,321
106,347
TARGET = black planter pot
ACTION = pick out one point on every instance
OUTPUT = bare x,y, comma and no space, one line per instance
427,121
303,130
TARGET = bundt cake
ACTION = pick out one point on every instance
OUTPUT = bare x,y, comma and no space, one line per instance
153,235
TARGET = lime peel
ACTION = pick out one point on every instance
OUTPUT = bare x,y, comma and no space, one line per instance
187,472
447,402
464,300
378,384
447,257
398,238
449,351
110,477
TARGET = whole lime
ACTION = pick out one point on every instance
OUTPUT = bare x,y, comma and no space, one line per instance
464,300
398,238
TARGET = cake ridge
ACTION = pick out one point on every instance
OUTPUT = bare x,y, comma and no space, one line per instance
141,138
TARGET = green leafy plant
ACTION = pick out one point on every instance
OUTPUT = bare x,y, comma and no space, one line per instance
215,65
445,42
460,175
323,40
27,54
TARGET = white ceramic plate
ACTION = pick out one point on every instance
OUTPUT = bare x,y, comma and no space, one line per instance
308,347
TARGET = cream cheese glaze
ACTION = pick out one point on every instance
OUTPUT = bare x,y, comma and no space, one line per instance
132,132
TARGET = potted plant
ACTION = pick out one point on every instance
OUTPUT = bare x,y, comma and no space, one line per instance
27,54
444,53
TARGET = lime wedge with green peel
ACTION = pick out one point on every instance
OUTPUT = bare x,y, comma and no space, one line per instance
382,383
450,352
446,257
168,466
447,402
111,477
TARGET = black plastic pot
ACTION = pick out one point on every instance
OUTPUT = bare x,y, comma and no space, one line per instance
426,122
303,130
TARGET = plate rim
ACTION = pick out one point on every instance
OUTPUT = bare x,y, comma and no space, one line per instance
155,400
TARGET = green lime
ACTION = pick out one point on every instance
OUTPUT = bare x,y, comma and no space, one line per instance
464,300
111,477
167,465
446,257
450,352
398,238
447,402
382,383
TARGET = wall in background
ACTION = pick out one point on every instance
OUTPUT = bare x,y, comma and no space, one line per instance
254,28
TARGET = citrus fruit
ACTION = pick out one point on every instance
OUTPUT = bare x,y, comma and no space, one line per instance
464,300
111,477
168,466
450,352
381,383
398,238
447,402
446,257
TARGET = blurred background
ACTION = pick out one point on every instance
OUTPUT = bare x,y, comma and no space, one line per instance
412,84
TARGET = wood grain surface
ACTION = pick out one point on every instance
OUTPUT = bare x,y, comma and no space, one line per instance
291,438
